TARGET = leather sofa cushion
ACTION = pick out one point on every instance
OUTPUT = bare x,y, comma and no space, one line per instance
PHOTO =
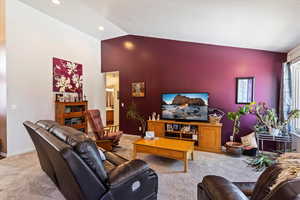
126,171
69,135
265,181
108,166
47,124
114,158
84,147
88,151
246,187
218,188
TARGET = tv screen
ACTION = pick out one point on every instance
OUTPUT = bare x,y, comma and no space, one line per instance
185,106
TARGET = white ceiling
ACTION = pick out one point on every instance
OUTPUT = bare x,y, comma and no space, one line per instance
78,15
260,24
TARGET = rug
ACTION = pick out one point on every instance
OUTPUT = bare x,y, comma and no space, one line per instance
22,178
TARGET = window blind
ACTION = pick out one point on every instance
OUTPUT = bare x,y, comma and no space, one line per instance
296,91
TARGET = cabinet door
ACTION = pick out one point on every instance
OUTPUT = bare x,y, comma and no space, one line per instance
210,139
157,127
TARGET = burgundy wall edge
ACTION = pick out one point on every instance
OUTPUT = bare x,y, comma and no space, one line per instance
175,66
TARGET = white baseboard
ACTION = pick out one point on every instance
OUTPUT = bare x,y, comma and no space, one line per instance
20,152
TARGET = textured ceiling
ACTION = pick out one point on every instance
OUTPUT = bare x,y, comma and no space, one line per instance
259,24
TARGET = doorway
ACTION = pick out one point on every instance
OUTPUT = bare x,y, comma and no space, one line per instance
112,86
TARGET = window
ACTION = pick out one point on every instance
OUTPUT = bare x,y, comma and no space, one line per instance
296,91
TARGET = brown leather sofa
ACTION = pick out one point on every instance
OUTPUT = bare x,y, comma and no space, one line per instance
75,165
218,188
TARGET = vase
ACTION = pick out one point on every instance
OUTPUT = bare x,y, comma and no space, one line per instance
275,131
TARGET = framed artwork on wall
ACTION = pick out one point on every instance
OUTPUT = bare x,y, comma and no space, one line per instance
67,76
244,90
138,89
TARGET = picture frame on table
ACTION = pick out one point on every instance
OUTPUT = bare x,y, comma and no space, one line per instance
169,127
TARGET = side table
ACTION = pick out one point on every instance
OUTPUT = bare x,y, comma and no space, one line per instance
285,141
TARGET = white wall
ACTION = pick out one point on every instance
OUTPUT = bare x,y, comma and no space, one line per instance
33,38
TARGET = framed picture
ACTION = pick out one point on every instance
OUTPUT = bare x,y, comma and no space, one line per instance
244,90
169,127
138,89
176,127
67,76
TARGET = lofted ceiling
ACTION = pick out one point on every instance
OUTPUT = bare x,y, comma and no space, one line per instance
259,24
78,15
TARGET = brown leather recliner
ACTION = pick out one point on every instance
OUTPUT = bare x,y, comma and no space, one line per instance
75,165
218,188
103,133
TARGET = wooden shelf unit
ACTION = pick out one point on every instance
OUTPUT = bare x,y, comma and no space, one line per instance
72,114
208,135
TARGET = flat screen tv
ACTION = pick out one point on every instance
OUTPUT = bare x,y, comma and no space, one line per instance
185,106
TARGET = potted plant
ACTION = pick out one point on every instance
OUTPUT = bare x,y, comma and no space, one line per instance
268,121
233,147
133,114
262,161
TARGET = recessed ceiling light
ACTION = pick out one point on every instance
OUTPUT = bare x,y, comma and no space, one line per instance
57,2
101,28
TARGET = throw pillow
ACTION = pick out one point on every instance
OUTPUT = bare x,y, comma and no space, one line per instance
290,168
102,156
249,140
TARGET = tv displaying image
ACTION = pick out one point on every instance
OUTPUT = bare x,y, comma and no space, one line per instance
185,106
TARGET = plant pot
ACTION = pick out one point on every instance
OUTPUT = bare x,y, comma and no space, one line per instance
275,131
234,148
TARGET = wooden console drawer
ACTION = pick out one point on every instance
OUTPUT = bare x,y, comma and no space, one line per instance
179,155
145,149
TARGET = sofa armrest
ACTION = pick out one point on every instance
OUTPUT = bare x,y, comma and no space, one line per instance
246,187
133,180
218,188
126,171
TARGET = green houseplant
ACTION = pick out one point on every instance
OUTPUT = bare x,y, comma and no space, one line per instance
262,161
133,114
235,148
268,121
236,117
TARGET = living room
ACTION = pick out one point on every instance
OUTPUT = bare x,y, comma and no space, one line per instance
207,99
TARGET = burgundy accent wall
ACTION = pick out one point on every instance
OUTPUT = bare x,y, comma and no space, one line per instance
176,66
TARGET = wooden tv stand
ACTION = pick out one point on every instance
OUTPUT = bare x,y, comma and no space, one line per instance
207,136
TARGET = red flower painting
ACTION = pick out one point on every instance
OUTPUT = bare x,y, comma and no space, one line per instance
67,76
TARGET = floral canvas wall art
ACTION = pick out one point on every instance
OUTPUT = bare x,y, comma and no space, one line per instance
67,76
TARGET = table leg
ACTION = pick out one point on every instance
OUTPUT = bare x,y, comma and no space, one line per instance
192,155
186,162
134,152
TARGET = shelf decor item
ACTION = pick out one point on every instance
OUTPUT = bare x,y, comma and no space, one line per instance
244,90
138,89
67,76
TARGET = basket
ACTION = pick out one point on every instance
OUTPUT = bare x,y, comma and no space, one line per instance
216,115
215,119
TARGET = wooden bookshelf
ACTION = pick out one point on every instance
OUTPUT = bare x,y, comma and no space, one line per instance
72,114
206,136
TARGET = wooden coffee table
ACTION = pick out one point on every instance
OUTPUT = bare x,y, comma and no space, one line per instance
170,148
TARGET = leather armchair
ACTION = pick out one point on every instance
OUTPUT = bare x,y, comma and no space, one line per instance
73,162
217,188
103,135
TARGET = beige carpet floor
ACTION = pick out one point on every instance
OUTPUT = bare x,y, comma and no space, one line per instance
22,178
